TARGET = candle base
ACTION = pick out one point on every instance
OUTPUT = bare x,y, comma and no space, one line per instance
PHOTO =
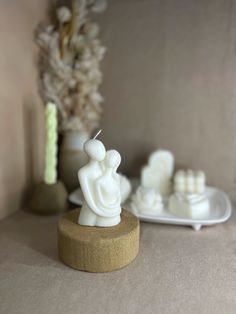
49,199
96,249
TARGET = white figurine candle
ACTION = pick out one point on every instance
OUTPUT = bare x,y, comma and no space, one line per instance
50,171
100,185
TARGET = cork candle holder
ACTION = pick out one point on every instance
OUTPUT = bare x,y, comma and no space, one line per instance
97,249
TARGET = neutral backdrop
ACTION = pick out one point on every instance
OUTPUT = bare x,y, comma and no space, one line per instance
169,82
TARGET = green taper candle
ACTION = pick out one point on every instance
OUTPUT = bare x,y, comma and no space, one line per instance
50,169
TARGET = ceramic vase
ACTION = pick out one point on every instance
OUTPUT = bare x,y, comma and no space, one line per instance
72,158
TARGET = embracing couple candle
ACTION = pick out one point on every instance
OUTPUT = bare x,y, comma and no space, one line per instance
100,184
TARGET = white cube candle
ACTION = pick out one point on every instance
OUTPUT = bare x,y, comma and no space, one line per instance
189,205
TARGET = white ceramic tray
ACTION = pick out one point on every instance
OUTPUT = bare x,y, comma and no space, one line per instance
76,197
220,209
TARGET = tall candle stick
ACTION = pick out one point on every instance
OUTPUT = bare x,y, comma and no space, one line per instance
50,171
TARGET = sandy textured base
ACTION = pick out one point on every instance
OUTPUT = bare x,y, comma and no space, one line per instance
49,199
95,249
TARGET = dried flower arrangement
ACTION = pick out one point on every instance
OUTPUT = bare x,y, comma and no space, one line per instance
69,63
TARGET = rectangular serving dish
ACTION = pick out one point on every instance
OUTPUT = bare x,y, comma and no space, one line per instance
220,211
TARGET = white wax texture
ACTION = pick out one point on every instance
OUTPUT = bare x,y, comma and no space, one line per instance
193,206
158,172
190,182
50,169
146,201
100,184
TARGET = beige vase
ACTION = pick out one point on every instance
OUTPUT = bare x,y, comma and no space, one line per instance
72,158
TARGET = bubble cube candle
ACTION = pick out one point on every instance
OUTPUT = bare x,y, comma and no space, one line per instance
190,182
189,199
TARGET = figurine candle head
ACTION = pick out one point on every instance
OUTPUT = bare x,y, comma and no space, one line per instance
112,159
100,185
95,150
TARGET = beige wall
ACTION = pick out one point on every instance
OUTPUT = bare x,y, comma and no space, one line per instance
20,109
169,81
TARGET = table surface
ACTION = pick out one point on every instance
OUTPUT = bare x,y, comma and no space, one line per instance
178,270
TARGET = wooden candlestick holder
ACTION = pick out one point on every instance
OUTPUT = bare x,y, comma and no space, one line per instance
96,249
48,199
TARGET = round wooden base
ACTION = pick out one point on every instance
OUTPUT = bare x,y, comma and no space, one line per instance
96,249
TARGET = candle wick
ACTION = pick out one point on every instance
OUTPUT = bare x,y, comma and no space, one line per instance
97,134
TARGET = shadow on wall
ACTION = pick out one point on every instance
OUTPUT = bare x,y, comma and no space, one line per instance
33,132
